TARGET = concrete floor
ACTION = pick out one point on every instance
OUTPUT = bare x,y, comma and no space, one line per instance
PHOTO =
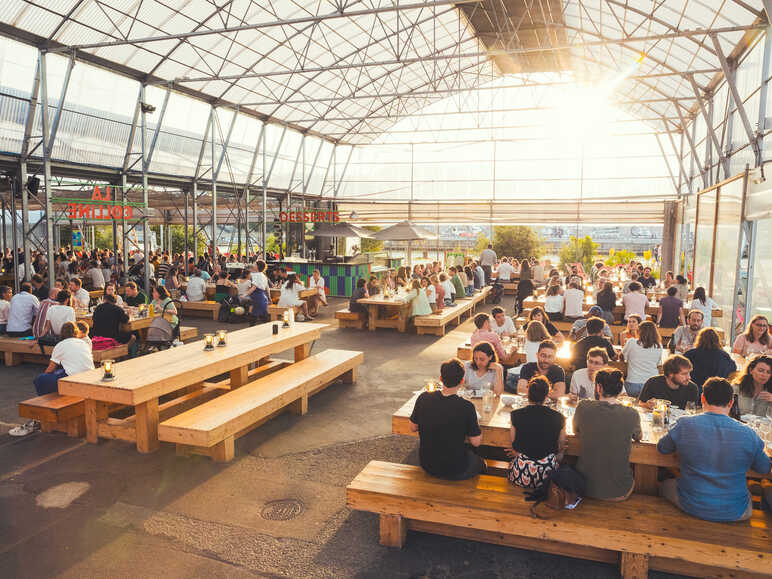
72,509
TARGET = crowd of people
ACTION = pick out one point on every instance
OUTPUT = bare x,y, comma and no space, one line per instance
698,376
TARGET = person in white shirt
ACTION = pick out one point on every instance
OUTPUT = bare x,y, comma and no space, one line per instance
487,261
501,323
72,354
573,299
259,293
450,290
58,314
5,304
554,303
81,296
537,273
320,298
535,333
643,357
95,276
243,285
22,311
110,290
289,296
635,302
583,380
505,270
196,289
704,304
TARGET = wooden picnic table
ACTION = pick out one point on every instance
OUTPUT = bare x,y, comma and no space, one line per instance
304,294
645,459
396,312
140,382
652,308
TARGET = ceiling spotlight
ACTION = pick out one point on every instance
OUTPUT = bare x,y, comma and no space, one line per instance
147,108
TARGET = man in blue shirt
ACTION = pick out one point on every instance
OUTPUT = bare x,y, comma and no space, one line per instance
715,453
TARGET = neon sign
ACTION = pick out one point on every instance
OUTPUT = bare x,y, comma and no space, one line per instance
101,210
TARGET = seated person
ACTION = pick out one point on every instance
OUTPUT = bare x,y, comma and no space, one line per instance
525,289
81,296
108,318
502,324
196,290
134,297
606,431
222,287
22,311
583,381
635,301
573,300
673,384
58,314
684,336
715,453
755,386
39,288
320,298
553,303
444,421
538,314
359,293
755,339
70,356
5,303
290,296
647,281
671,314
449,288
110,289
483,371
94,276
243,286
538,438
458,284
505,270
419,301
483,333
579,328
535,334
631,331
593,339
708,358
39,325
544,366
643,356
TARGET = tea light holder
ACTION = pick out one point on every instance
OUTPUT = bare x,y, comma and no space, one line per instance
285,317
109,374
208,342
221,340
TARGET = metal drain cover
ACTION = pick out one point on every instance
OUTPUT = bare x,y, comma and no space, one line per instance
282,509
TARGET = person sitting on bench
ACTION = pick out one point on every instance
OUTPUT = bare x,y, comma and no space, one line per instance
70,356
715,451
483,333
22,311
444,421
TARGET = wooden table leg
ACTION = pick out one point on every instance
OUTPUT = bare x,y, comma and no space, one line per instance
302,351
645,479
402,327
147,426
94,411
372,311
239,376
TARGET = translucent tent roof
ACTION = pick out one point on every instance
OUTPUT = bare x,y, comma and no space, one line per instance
347,70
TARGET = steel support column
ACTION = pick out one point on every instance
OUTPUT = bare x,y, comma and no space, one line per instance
264,204
46,175
195,221
692,148
765,65
214,191
145,224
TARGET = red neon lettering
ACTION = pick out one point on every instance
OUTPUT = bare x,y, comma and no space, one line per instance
84,210
72,209
127,212
335,216
96,194
282,217
116,212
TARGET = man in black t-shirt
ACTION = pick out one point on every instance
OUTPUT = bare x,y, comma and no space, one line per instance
673,384
593,339
444,421
108,318
133,296
544,366
647,281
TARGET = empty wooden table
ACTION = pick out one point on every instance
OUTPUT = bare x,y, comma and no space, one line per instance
396,309
140,382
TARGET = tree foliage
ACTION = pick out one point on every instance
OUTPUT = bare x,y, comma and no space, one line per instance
581,250
517,241
482,243
371,245
622,257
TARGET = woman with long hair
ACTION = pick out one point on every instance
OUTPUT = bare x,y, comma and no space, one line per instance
607,301
540,315
631,331
553,303
290,298
755,339
708,358
535,334
703,303
484,370
419,301
754,386
643,357
538,437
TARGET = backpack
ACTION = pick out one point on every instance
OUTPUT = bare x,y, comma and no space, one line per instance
563,489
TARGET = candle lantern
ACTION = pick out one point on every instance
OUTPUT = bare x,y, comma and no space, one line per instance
208,341
221,341
109,369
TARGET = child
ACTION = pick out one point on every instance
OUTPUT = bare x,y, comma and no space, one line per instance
450,291
5,305
439,291
431,293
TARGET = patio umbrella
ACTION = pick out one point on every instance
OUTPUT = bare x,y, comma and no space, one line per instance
404,231
340,229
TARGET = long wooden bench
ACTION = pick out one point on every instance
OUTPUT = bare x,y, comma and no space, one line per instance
640,533
15,351
436,323
276,312
510,287
212,428
349,319
188,333
205,309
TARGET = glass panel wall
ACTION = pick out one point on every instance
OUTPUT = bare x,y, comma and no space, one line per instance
703,250
727,248
761,291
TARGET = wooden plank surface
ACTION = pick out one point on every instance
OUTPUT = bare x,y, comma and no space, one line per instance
642,525
141,379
